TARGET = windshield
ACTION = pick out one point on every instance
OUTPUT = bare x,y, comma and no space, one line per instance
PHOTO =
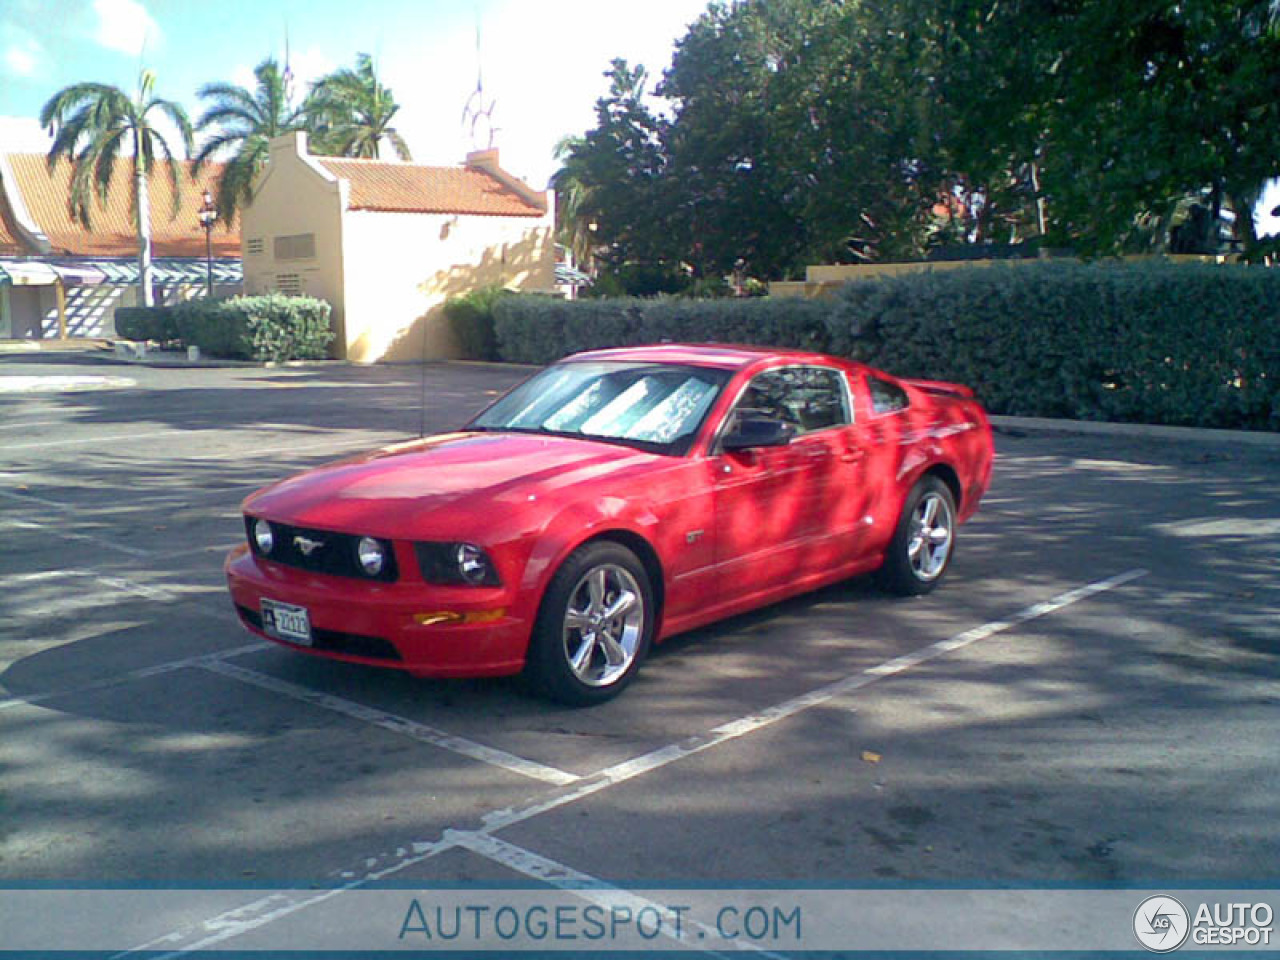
650,405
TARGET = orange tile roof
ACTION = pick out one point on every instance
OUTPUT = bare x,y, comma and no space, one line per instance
10,245
46,193
413,188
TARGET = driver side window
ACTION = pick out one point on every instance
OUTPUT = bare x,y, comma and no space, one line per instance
807,398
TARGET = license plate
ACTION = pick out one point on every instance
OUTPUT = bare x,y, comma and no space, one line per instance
286,621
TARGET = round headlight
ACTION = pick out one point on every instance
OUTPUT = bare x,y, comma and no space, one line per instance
473,565
371,556
263,536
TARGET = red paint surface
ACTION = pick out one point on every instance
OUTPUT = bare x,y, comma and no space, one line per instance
730,531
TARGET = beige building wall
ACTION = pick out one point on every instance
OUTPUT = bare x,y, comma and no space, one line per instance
403,267
296,199
387,275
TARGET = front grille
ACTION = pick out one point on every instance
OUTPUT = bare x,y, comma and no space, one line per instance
333,553
335,641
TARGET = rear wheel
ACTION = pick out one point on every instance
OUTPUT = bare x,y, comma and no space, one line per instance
594,627
918,556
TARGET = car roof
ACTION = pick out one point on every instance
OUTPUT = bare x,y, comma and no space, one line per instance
727,356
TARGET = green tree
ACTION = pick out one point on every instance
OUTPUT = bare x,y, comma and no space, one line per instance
576,207
94,125
243,123
1146,104
614,176
350,113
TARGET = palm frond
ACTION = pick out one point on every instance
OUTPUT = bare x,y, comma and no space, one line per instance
215,144
397,142
104,165
178,117
68,98
158,145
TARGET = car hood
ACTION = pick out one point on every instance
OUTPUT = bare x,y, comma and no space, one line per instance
447,485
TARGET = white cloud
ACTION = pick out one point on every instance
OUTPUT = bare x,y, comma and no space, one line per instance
125,26
22,60
23,55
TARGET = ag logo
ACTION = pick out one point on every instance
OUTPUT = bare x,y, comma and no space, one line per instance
1161,924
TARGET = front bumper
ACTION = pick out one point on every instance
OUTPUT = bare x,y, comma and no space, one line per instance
374,623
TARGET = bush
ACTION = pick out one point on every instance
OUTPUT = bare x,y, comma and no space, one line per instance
145,323
1151,342
470,317
268,327
532,329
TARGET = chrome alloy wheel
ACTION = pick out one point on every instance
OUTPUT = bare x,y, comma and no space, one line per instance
931,538
603,624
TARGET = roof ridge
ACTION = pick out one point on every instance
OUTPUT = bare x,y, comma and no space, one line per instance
399,164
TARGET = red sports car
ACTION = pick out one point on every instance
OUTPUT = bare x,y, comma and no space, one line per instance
610,501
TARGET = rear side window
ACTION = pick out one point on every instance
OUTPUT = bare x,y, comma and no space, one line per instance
886,397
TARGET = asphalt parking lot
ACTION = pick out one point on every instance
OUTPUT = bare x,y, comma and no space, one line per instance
1090,699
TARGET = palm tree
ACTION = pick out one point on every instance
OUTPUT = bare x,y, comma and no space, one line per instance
350,113
246,123
575,203
94,124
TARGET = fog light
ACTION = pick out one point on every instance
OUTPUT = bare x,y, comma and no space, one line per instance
371,555
263,536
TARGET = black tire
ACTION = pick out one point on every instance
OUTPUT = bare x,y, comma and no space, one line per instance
577,655
918,557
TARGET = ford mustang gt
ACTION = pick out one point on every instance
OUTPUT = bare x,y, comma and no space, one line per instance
613,500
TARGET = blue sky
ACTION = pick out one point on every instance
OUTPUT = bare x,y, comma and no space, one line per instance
543,61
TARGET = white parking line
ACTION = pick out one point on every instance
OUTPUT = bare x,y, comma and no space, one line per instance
32,424
592,889
284,454
17,700
30,498
656,759
400,725
54,531
268,909
69,601
112,439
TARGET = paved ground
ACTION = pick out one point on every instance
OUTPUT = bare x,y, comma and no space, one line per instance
1012,728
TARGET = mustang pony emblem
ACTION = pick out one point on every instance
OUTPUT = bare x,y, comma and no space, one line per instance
307,545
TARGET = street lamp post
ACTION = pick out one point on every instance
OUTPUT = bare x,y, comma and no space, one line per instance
208,214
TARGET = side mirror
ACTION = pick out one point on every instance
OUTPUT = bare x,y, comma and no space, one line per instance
751,432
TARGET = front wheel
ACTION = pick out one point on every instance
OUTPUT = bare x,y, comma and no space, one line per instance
923,543
594,627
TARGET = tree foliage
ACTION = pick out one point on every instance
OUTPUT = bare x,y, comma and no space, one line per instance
350,112
96,124
346,113
789,132
243,123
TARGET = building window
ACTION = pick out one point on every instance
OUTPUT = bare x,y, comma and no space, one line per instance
300,246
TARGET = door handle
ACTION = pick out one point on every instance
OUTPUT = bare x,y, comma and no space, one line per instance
852,456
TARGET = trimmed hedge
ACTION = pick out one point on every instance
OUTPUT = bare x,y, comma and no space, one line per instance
146,323
542,329
471,319
1148,342
268,327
